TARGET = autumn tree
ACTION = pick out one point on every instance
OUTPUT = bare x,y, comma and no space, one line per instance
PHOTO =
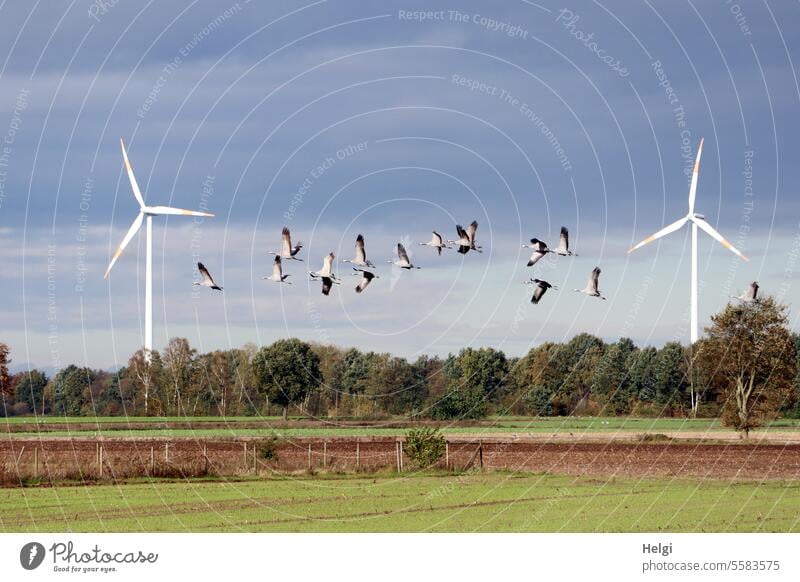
178,359
6,387
750,355
30,390
143,372
287,372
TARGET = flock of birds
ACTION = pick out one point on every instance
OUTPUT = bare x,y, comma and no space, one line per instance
465,242
363,267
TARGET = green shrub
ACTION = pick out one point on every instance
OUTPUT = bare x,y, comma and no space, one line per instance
268,449
424,446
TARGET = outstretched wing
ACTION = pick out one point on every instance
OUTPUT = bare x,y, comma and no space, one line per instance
538,292
205,274
366,279
535,257
286,243
402,254
594,279
277,269
471,230
361,253
327,283
327,265
436,239
563,241
752,291
462,234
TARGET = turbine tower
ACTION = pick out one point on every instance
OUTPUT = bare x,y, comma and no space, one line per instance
697,221
145,212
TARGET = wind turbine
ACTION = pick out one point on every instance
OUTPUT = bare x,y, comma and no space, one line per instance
145,212
697,221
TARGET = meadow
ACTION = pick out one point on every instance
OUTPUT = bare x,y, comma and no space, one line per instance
435,502
211,427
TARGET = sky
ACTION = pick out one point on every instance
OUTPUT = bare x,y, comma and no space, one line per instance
390,119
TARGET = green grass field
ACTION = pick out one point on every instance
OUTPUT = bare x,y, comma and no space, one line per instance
118,427
482,502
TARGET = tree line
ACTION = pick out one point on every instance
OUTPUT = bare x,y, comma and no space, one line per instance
745,370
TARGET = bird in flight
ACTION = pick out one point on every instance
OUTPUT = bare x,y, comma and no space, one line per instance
436,242
361,254
539,250
402,260
466,238
288,251
208,280
750,295
591,288
277,272
563,244
541,288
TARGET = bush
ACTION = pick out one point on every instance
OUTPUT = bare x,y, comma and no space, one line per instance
268,450
424,446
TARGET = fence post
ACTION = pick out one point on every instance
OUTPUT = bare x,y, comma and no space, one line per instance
400,452
152,461
100,459
244,455
358,455
397,454
309,456
480,453
36,462
446,455
324,454
205,457
166,453
255,470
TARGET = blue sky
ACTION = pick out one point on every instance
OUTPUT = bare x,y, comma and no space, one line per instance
521,115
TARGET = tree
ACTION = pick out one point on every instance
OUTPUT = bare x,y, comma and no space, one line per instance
6,387
30,390
474,378
348,376
611,384
671,376
642,374
144,373
178,359
750,354
537,380
396,386
574,365
287,372
71,390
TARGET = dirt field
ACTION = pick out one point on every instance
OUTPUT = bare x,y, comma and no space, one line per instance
79,459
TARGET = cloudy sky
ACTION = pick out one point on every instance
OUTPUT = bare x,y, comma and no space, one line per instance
338,117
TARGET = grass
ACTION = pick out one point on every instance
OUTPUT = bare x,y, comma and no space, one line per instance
117,426
483,502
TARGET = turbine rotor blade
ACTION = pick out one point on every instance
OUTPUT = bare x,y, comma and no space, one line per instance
170,210
131,177
717,236
695,173
664,231
137,223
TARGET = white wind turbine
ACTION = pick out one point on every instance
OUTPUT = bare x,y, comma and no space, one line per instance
697,220
149,212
